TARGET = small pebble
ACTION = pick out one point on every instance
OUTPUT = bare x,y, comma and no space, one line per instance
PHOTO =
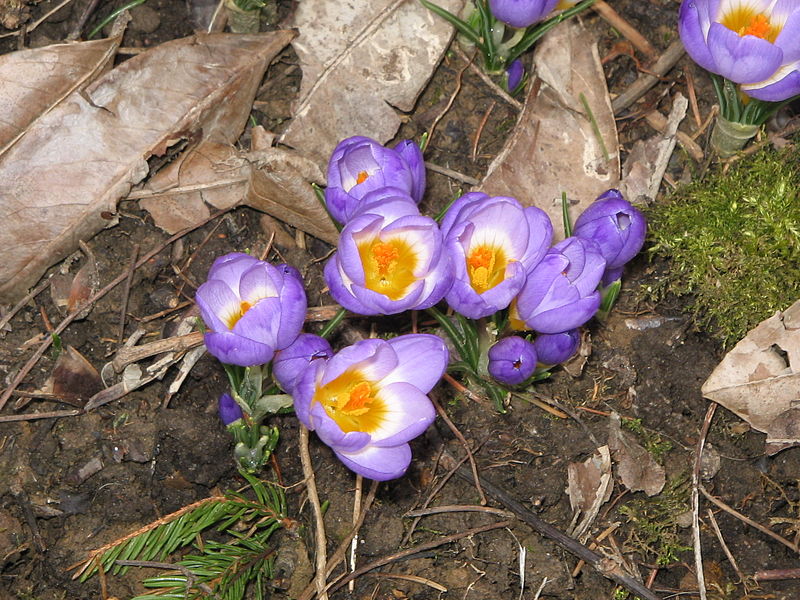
144,19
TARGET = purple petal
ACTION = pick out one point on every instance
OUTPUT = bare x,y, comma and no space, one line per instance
783,85
512,360
408,413
234,349
421,361
742,59
332,435
412,154
380,464
521,13
693,24
555,348
217,303
567,316
290,363
230,268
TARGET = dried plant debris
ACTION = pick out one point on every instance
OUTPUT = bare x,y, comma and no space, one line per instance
759,379
733,242
589,485
636,467
361,61
73,164
565,127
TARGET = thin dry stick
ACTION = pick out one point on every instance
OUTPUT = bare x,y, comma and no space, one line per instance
35,24
19,305
451,174
732,511
450,508
489,81
478,133
645,81
698,457
416,549
40,415
440,116
777,574
693,97
628,31
126,293
722,543
464,443
341,551
356,513
23,372
313,497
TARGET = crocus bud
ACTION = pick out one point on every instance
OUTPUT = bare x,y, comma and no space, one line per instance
555,348
512,360
290,362
514,73
521,13
616,227
229,410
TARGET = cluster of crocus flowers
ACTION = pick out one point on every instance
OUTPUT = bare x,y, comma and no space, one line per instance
370,399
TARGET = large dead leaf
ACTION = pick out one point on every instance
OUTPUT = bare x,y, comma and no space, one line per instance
74,164
635,467
759,379
554,147
360,59
589,485
34,81
273,180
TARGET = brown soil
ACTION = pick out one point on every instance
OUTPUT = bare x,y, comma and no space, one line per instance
152,457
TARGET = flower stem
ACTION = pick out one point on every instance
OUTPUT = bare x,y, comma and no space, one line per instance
333,323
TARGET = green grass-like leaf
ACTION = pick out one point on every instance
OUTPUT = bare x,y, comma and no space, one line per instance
734,243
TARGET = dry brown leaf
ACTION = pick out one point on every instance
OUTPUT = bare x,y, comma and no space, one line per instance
360,59
34,81
79,159
635,467
554,148
74,380
759,379
589,485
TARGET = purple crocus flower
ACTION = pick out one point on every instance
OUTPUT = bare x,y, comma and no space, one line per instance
494,243
389,260
360,165
251,308
755,43
514,73
521,13
561,291
292,361
555,348
512,360
369,400
617,227
229,410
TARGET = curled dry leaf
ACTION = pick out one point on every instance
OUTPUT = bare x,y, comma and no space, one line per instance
554,147
589,485
759,379
361,60
80,158
635,467
74,380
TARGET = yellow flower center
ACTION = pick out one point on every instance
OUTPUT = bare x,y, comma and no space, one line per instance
514,320
351,401
745,21
388,266
234,317
486,266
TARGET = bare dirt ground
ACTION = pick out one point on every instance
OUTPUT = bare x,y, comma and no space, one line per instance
73,484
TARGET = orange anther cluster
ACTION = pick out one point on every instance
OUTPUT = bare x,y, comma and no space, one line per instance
758,26
385,255
360,396
480,257
362,177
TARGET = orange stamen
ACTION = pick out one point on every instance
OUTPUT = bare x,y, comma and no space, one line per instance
360,397
385,255
362,177
759,26
480,257
243,308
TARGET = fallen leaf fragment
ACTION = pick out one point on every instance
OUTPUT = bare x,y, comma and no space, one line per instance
361,60
85,154
759,379
635,466
554,147
74,380
589,486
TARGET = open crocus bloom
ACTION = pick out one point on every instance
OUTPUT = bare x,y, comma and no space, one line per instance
369,401
755,43
389,261
494,243
561,291
360,165
251,309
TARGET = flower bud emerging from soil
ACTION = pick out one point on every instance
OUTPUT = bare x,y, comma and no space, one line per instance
512,360
229,410
369,401
555,348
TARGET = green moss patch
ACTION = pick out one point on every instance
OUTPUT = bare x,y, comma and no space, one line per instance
733,239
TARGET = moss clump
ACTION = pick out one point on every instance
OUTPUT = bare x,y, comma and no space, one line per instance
734,242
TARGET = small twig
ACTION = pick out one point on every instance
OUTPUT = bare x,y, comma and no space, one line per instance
191,580
414,578
451,174
659,122
464,443
38,22
33,360
21,496
453,96
777,574
21,304
732,511
450,508
722,543
538,593
692,97
320,540
55,414
489,81
126,293
439,541
166,311
541,404
356,514
603,535
478,133
698,458
645,81
465,390
627,30
87,12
